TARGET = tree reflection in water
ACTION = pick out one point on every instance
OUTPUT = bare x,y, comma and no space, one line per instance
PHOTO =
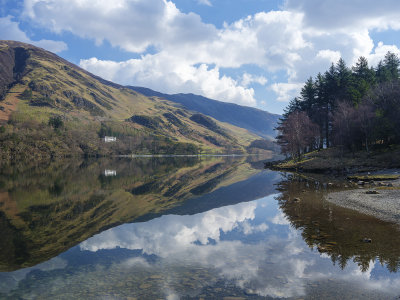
336,231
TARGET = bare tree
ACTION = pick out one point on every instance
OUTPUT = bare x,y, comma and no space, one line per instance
365,122
353,126
298,135
343,125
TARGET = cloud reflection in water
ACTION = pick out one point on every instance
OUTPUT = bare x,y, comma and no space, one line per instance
251,244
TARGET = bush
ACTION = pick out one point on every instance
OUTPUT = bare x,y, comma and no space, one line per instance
26,95
56,122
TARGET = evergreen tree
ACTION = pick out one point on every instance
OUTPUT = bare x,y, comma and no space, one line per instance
308,95
381,73
343,81
359,106
363,80
391,64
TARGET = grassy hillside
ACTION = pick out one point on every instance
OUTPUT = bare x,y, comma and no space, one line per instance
50,107
254,120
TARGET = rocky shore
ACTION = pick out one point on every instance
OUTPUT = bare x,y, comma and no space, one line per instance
381,200
335,162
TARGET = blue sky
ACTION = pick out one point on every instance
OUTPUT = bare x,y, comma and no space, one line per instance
251,52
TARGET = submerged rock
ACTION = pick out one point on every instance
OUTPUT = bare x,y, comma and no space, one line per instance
367,240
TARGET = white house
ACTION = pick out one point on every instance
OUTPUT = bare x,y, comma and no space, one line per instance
109,139
110,173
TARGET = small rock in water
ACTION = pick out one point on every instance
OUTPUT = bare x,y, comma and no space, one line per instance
367,240
330,184
390,185
296,200
360,182
371,192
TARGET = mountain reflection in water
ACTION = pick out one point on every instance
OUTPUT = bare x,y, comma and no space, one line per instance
208,229
47,209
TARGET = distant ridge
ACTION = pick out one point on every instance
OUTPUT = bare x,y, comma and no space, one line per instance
255,120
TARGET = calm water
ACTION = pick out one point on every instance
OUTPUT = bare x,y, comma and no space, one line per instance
185,228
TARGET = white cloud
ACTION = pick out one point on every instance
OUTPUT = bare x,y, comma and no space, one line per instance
302,39
131,25
204,2
380,52
9,30
266,39
248,79
332,56
286,91
171,75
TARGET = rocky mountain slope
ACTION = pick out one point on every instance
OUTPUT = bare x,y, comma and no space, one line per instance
50,107
254,120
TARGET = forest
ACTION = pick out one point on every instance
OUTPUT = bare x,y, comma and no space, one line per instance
351,108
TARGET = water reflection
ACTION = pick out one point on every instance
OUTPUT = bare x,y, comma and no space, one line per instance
335,231
246,250
47,209
202,234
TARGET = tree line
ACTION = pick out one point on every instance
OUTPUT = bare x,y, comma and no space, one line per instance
351,108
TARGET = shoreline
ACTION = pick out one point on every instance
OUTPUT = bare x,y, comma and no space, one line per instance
382,202
333,161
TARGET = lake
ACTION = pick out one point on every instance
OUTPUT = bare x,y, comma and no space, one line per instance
186,228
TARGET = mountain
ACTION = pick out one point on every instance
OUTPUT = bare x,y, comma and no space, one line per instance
51,107
254,120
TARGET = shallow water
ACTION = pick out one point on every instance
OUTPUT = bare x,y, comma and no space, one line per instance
183,228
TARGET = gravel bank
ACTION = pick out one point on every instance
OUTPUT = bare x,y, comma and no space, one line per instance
385,205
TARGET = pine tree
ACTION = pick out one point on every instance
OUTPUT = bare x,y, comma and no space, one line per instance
343,81
363,80
391,64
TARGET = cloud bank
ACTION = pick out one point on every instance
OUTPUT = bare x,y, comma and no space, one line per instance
180,53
